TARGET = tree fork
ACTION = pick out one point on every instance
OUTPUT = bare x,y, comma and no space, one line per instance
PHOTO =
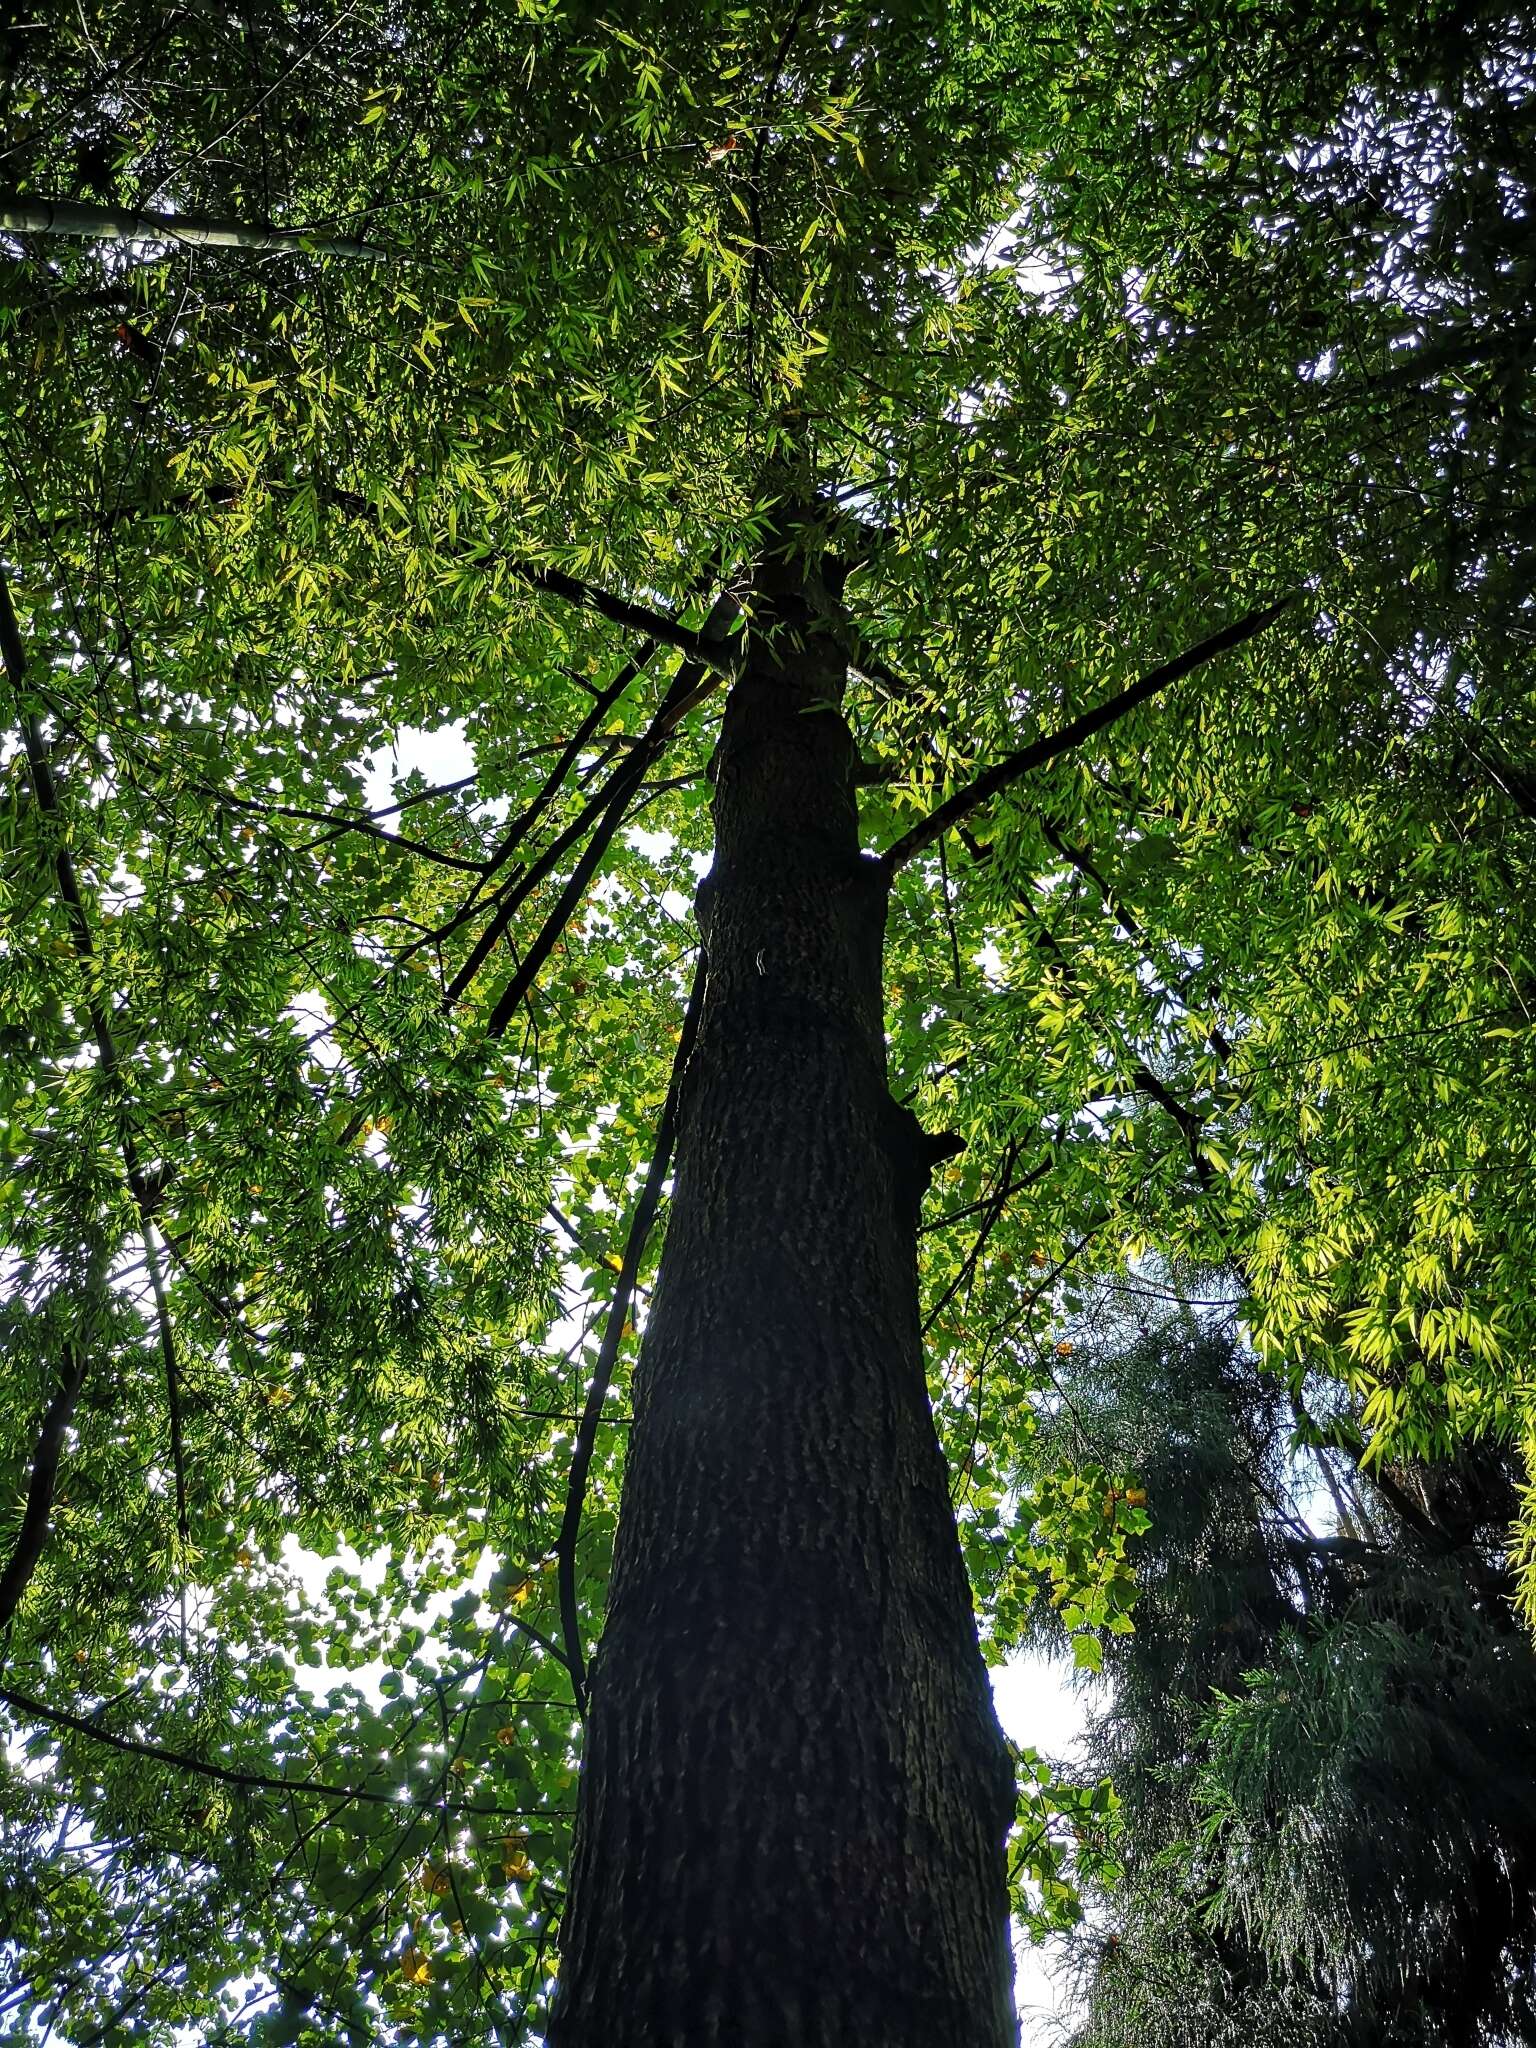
795,1797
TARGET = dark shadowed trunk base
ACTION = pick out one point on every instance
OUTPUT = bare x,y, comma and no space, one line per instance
795,1794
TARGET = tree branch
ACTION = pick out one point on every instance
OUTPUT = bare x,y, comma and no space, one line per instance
1128,922
993,1207
172,1390
84,223
33,1534
602,702
226,1774
527,969
513,894
1191,1122
985,1201
340,824
14,659
611,805
1071,736
701,647
620,611
613,1332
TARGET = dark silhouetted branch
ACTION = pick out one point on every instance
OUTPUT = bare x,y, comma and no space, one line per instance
621,611
613,1333
145,1196
610,806
1071,736
33,1533
227,1774
1128,922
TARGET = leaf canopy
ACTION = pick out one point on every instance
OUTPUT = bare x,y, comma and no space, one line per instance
1086,357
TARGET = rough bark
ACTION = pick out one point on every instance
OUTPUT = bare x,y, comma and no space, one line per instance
795,1794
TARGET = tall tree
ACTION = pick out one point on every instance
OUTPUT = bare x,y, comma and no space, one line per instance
789,1676
912,417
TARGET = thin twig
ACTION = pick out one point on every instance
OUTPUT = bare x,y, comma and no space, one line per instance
226,1774
1128,922
613,1332
994,1208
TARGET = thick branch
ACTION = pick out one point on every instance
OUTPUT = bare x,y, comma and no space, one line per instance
620,611
33,1533
84,223
610,806
1071,736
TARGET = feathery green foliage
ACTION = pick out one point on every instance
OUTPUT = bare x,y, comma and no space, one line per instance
1325,1831
1099,327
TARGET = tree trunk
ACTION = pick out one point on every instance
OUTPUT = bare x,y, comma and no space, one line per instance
795,1795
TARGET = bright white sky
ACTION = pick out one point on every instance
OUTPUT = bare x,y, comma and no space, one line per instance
1040,1709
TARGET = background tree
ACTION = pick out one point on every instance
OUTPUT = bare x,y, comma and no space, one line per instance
1310,1735
297,1072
